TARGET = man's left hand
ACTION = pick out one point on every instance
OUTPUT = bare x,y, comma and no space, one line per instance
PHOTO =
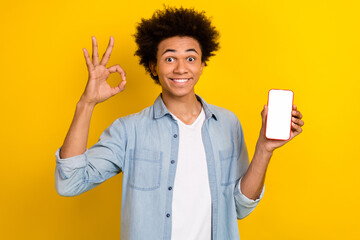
269,145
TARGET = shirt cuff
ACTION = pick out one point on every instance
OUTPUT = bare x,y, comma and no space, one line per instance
68,165
245,201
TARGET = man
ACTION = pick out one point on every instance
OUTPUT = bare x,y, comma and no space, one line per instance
185,163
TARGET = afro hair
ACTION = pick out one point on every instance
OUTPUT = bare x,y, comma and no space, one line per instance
172,22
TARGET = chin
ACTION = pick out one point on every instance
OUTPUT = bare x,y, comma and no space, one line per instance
177,93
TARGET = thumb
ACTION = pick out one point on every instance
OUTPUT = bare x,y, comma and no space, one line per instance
119,88
264,113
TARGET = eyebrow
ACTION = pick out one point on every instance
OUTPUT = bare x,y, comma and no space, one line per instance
173,50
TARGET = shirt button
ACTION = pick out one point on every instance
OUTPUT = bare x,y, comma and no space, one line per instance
168,215
175,135
170,188
172,161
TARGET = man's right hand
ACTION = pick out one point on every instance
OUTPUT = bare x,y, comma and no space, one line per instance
97,89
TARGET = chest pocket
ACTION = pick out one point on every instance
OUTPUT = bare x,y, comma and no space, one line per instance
145,170
230,168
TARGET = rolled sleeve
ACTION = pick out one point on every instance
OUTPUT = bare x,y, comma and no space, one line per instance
245,205
67,166
77,174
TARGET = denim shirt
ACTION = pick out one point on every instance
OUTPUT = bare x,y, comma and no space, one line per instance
144,146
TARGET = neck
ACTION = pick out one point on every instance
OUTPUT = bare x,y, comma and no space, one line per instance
186,108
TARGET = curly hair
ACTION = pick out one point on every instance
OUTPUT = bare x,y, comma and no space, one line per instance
172,22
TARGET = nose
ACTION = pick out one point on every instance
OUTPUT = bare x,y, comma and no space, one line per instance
180,67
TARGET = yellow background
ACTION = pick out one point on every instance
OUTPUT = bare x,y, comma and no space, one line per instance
309,46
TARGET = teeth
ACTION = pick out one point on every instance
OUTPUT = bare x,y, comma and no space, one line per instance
181,80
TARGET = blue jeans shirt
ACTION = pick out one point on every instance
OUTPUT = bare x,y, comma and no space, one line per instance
144,146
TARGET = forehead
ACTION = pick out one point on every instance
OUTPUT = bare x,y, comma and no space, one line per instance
179,44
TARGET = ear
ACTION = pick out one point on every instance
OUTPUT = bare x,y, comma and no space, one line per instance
202,66
152,67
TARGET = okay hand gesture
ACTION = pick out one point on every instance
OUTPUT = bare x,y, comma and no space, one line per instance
97,89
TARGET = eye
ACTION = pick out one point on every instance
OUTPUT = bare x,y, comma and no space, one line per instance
191,59
169,59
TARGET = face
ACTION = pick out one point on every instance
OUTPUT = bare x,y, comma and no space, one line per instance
178,65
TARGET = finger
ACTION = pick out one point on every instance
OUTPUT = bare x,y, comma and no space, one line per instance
296,127
89,64
117,68
297,121
107,53
95,55
297,114
294,107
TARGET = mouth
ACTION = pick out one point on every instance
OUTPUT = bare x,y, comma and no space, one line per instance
180,80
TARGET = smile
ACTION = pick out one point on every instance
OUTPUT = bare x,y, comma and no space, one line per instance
180,80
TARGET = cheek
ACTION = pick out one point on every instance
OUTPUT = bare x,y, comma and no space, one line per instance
164,69
196,70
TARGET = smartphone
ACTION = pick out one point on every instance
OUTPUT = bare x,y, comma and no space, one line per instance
278,120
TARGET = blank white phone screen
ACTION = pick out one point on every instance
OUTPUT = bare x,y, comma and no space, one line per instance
278,122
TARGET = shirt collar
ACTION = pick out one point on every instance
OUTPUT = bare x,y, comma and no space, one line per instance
160,109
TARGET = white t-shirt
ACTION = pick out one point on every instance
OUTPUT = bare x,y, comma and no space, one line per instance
191,205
